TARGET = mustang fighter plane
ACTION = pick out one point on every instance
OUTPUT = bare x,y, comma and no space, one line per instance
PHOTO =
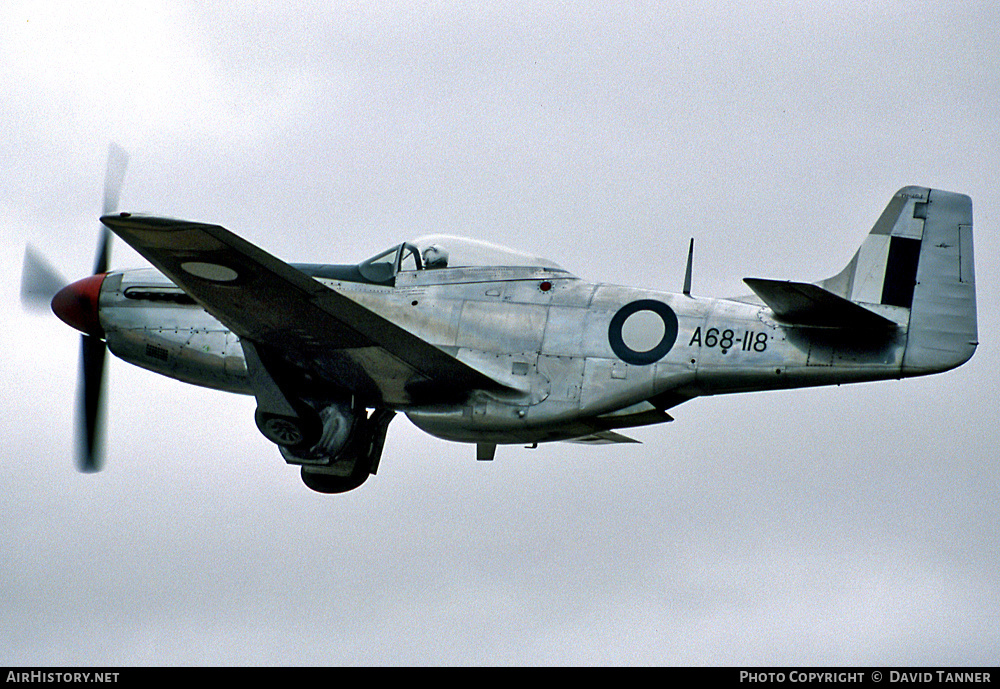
479,344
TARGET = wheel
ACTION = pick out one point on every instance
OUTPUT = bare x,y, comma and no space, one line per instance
296,432
329,484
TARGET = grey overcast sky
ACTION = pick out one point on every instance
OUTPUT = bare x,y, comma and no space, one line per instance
846,525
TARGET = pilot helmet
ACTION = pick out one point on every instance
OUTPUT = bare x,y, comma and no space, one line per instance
435,256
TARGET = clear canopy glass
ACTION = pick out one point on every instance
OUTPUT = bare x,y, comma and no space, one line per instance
438,251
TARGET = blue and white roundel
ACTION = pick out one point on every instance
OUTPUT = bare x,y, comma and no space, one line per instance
643,331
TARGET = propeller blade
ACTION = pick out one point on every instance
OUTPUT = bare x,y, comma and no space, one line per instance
90,409
93,350
114,177
103,252
39,281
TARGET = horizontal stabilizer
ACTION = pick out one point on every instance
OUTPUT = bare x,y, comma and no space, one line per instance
803,303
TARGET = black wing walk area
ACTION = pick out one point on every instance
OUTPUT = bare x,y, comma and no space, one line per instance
266,301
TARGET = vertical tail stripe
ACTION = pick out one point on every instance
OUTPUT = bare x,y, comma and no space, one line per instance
901,271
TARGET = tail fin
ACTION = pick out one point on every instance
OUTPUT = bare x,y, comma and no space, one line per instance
919,256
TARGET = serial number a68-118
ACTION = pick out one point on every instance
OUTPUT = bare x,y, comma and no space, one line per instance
747,341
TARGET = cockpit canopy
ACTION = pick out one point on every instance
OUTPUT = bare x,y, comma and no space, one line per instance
434,252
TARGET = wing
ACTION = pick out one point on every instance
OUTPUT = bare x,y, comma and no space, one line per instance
312,327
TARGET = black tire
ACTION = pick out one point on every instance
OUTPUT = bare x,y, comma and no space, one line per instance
329,484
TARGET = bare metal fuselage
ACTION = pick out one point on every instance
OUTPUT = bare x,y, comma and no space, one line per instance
546,335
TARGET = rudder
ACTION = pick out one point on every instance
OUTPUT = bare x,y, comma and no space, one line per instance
943,333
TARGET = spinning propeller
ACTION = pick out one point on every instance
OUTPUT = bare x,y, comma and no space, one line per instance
76,304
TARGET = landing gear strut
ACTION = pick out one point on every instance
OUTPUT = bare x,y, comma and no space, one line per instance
336,442
354,463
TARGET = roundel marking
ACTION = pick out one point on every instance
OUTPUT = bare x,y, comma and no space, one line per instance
643,331
212,272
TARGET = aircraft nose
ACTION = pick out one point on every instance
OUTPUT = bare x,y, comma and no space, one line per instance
76,304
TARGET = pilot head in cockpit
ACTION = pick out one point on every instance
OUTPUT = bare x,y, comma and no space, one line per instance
435,256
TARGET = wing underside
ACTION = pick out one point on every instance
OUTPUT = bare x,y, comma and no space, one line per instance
603,438
281,309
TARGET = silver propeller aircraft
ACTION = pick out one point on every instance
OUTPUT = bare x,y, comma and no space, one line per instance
479,344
